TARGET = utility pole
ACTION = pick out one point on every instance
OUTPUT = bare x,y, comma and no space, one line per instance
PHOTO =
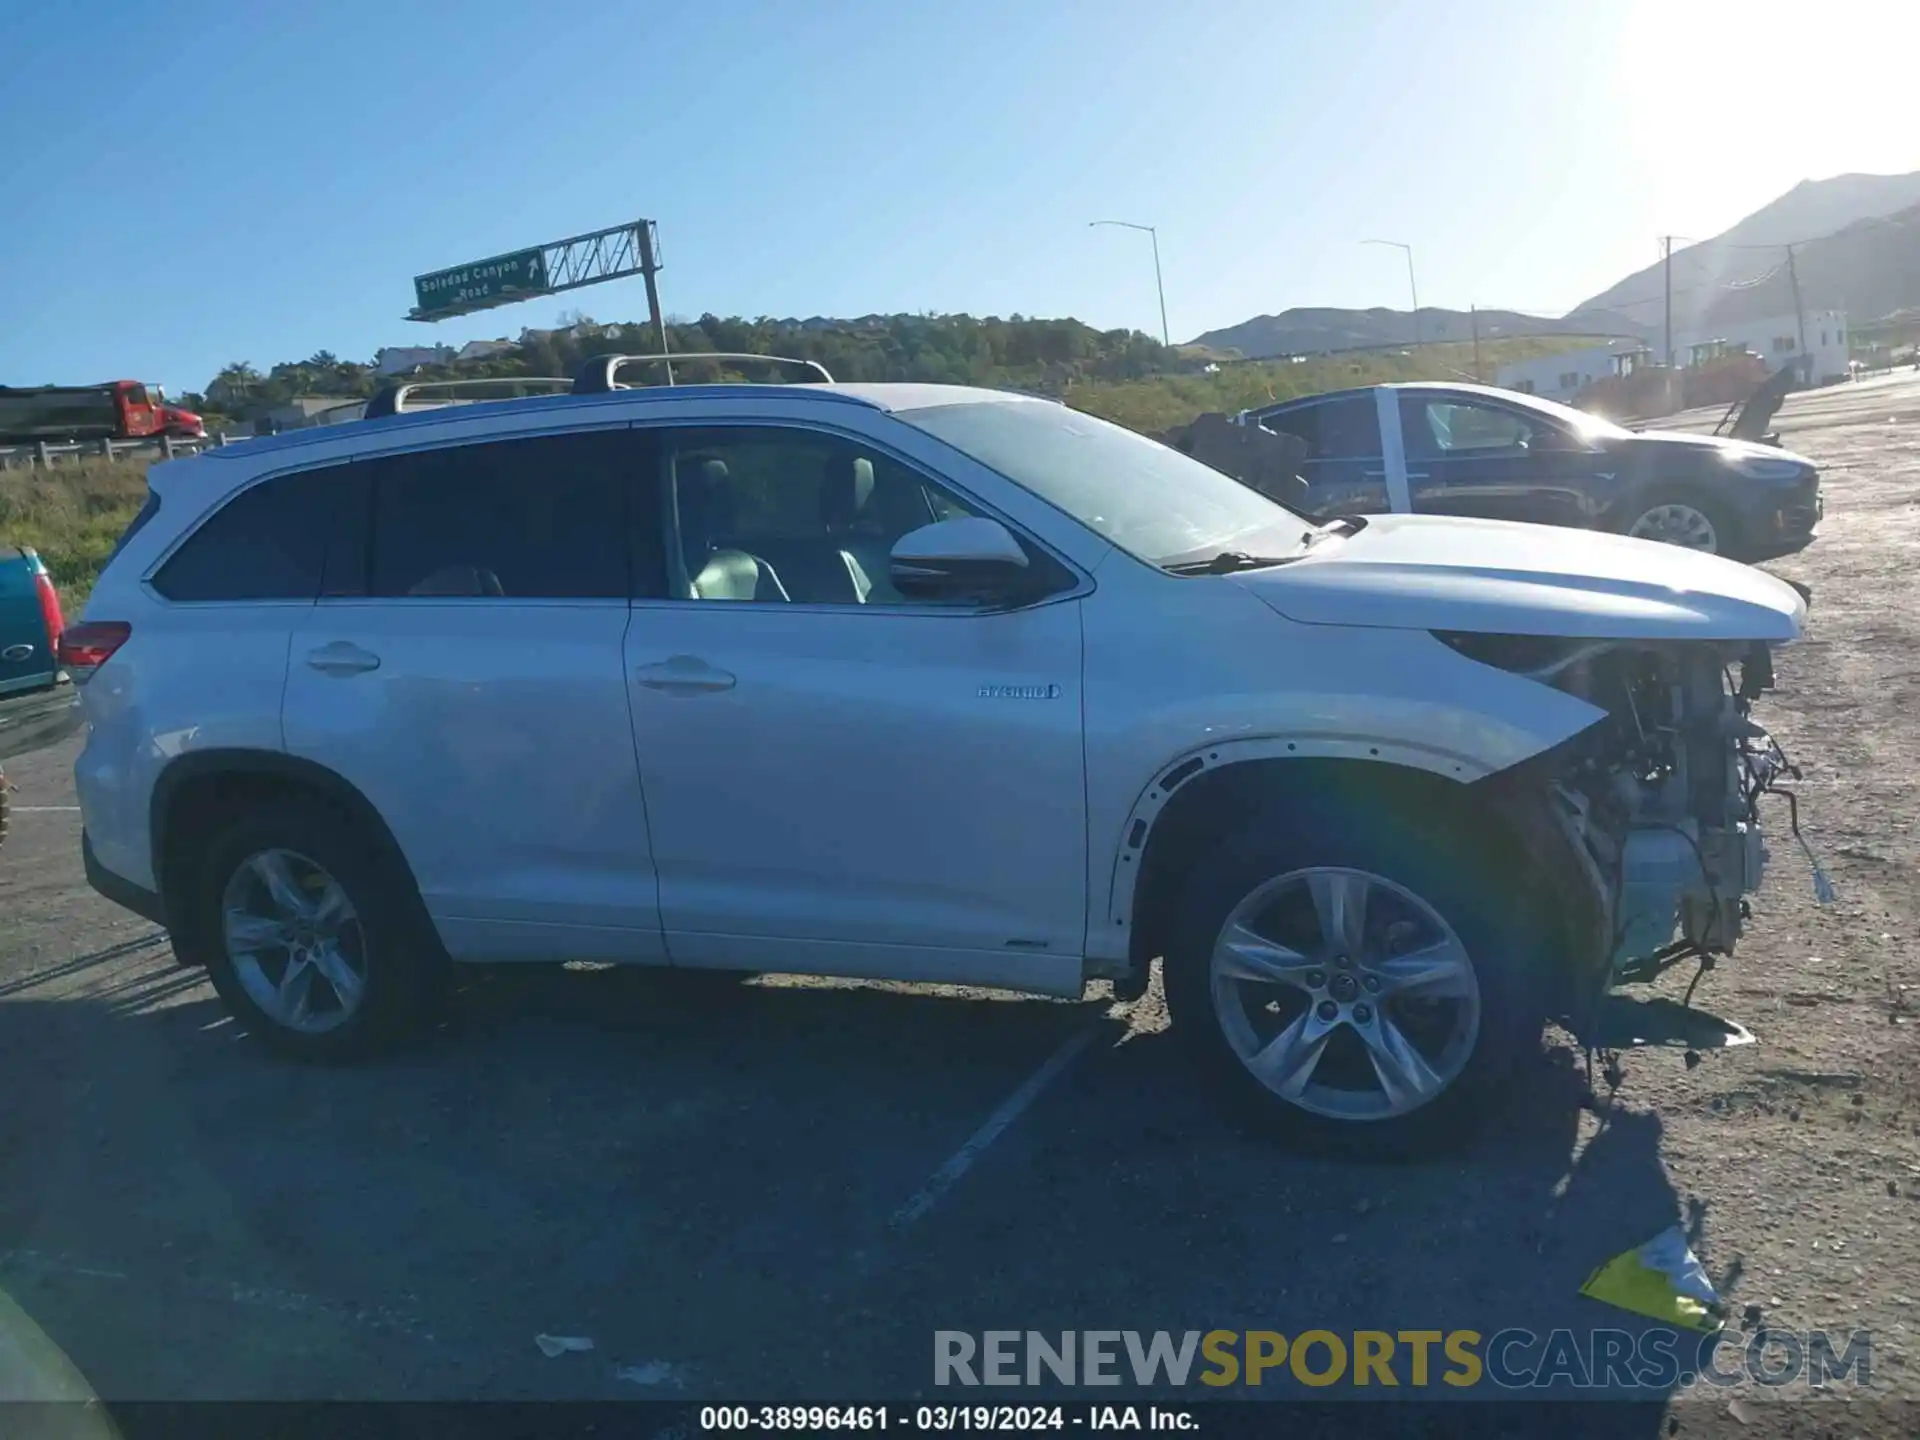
1666,255
1411,286
1166,339
1799,320
1473,318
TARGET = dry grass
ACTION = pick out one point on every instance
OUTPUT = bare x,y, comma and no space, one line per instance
72,514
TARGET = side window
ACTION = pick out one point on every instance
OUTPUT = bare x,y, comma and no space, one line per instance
543,518
770,514
1446,427
1347,429
267,543
1302,422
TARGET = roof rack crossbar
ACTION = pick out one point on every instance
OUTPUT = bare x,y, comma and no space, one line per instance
392,400
598,375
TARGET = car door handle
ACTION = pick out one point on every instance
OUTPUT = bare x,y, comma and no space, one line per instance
683,675
342,657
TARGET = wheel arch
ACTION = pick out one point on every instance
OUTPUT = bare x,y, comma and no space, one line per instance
1212,789
198,787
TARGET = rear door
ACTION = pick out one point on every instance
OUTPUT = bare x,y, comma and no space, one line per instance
462,669
1470,456
1344,471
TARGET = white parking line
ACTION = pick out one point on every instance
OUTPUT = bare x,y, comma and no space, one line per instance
257,1297
1010,1110
46,809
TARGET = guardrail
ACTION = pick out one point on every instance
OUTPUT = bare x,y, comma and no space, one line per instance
159,447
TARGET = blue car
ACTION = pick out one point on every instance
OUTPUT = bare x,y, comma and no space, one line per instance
37,706
1442,449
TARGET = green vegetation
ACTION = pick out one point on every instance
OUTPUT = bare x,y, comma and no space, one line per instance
1135,379
72,514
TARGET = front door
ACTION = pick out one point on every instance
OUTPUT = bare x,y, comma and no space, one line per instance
1466,456
463,671
839,780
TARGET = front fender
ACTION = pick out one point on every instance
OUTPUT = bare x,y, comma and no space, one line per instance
1204,680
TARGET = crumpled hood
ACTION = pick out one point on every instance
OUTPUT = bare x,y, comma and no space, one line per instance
1432,572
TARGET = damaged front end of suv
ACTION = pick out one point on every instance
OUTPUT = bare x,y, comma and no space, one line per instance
1647,824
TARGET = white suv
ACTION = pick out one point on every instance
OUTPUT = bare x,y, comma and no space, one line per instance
923,683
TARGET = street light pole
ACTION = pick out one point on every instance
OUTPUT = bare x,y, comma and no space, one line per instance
1154,235
1415,289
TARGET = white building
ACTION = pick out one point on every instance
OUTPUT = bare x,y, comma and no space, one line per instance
1777,341
1563,376
484,349
405,359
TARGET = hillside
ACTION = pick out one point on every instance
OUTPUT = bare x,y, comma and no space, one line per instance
1868,263
1318,331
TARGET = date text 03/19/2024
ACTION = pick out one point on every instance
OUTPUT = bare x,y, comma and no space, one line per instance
939,1419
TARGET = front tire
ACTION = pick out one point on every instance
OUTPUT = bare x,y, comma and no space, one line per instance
306,936
1356,976
1683,519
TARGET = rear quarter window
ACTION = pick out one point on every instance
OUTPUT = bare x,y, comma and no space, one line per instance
266,543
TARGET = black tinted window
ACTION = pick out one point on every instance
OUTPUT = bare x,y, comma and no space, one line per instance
1332,429
546,518
1302,423
267,543
1349,430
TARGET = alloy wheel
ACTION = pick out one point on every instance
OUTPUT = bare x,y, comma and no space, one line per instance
1345,993
295,941
1675,523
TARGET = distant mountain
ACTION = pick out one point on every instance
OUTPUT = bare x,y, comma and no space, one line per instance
1313,331
1862,256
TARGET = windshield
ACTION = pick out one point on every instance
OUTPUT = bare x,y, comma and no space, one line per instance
1147,498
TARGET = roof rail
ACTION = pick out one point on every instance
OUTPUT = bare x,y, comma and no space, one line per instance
393,399
597,376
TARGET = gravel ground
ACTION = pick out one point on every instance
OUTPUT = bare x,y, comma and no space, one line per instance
736,1190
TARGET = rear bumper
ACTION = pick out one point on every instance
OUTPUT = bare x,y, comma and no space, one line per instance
120,890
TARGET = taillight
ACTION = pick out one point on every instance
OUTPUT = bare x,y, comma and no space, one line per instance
85,647
49,606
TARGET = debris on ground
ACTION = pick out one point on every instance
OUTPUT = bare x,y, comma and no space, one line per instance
1662,1279
651,1372
554,1346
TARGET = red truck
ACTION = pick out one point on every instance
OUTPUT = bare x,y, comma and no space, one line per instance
117,410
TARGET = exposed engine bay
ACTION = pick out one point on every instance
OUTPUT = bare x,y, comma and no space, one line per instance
1661,800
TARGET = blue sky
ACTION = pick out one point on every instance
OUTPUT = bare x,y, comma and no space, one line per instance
199,183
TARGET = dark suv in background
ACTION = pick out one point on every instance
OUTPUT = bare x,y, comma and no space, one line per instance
1473,450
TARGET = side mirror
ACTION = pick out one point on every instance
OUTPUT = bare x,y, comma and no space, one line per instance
966,558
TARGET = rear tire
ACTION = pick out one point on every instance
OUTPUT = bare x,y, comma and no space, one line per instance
312,942
1398,980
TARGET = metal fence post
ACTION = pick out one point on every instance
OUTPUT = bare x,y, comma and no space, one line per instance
106,447
166,445
43,455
